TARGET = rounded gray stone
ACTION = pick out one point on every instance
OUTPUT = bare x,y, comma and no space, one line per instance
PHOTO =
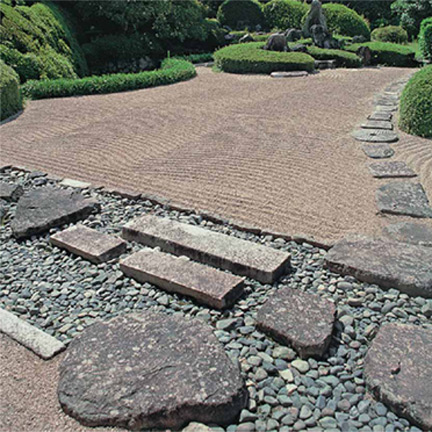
378,151
375,135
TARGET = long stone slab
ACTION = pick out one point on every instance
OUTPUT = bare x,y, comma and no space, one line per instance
377,124
375,135
403,266
380,116
390,169
41,343
180,275
378,151
238,256
88,243
409,232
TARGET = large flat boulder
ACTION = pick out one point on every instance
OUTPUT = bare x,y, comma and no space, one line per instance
409,232
389,169
10,192
403,266
304,321
398,371
41,209
147,371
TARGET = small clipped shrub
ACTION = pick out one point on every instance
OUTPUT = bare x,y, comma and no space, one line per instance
345,21
394,34
343,58
10,96
284,14
425,39
416,104
251,58
171,71
388,54
240,14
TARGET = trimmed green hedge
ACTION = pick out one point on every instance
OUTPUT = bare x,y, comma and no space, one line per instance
251,58
345,21
10,96
171,71
197,58
394,34
284,14
240,14
388,54
343,58
416,104
425,39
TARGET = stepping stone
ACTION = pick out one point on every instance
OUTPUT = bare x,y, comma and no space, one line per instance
387,101
293,74
398,371
391,169
180,275
325,64
408,232
374,124
41,209
88,243
304,321
375,135
242,257
386,108
10,192
75,184
150,371
380,116
402,198
378,151
391,265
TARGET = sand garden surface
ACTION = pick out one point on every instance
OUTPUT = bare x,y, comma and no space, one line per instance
276,154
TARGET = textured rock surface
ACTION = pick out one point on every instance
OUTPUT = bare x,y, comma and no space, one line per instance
388,264
398,370
378,151
10,192
41,209
150,371
408,232
302,320
402,198
391,169
380,116
377,124
292,74
375,135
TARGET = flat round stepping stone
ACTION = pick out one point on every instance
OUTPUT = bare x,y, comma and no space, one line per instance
402,198
380,116
293,74
10,192
391,169
148,371
398,371
403,266
378,151
375,135
376,124
304,321
409,232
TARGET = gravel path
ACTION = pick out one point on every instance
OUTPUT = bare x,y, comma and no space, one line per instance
274,153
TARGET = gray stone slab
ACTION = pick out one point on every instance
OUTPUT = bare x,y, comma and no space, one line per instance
386,108
405,267
409,232
403,198
41,209
398,371
41,343
75,184
10,192
88,243
375,135
242,257
378,151
304,321
207,285
150,371
377,124
325,64
389,169
380,116
293,74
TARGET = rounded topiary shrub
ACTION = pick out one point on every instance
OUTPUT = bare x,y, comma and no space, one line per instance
10,96
395,34
345,21
251,58
284,14
342,58
416,104
425,39
240,14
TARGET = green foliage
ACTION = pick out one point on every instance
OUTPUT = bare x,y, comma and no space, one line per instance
197,58
394,34
388,54
345,21
343,58
215,35
251,58
171,71
425,38
416,104
27,66
411,13
284,14
10,96
240,14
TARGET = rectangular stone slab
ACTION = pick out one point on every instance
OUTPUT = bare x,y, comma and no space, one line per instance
390,169
88,243
238,256
377,124
380,116
180,275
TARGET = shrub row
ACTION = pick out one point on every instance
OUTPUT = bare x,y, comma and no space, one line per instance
416,104
425,39
343,58
197,58
10,97
171,71
394,34
251,58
